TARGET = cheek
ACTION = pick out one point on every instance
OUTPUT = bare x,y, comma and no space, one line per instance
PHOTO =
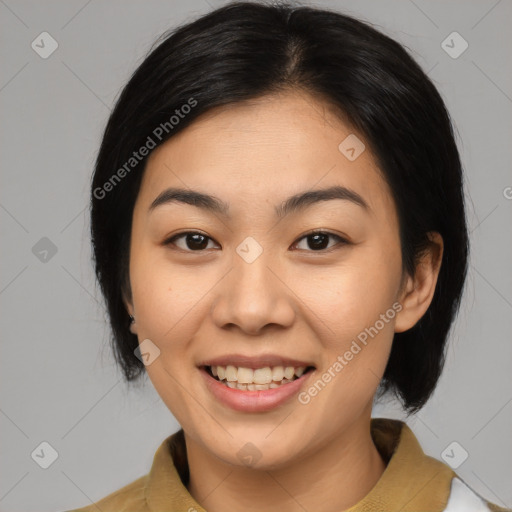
163,296
167,300
352,296
357,302
354,355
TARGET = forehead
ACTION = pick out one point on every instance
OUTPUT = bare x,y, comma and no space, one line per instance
259,152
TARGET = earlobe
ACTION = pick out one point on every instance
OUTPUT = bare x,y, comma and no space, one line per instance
418,292
127,299
133,328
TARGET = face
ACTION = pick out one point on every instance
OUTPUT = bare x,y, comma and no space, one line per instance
245,291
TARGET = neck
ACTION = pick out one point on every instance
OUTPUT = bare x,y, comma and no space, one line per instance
335,477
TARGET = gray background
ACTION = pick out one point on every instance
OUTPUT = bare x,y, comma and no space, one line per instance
58,380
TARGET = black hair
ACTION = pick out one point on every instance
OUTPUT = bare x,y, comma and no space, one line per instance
245,50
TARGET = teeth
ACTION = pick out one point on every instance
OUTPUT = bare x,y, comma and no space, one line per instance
299,371
245,375
258,379
263,375
289,372
231,373
255,387
278,373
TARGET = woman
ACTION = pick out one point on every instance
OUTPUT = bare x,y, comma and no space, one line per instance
279,232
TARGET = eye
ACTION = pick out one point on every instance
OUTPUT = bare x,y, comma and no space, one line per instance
318,240
193,241
196,241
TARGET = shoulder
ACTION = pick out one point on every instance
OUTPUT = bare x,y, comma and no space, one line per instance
464,499
163,484
127,499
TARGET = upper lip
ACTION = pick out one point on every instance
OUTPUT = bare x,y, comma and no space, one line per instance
260,361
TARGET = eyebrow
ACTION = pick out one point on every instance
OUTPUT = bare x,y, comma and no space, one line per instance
295,203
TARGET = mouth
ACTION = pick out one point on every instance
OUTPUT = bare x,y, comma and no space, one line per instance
256,379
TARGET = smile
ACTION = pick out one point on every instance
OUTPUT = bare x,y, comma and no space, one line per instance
253,390
259,379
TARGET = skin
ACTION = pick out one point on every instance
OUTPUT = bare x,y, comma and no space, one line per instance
293,300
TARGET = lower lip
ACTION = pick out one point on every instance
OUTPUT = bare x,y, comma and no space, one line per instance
253,401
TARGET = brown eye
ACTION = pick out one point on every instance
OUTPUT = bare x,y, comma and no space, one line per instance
192,241
319,240
316,241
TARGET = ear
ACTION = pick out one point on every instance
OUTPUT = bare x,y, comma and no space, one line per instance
133,326
418,290
130,311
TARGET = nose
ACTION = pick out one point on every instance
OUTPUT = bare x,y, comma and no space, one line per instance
252,297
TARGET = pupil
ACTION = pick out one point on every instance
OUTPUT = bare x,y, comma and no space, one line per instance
320,245
198,245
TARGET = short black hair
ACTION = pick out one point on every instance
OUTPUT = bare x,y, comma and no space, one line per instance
245,50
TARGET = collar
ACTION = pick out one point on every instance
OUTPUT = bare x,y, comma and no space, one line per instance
412,481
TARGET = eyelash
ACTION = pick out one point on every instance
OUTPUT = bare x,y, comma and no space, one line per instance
341,241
